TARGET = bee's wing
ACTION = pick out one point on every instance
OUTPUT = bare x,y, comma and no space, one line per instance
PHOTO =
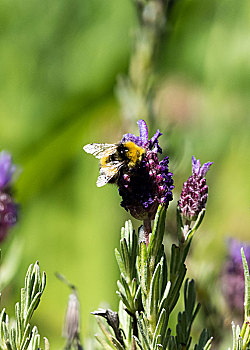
99,150
108,172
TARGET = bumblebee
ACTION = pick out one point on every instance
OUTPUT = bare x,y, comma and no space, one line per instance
114,158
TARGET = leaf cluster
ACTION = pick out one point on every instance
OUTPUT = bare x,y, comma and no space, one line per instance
19,334
149,289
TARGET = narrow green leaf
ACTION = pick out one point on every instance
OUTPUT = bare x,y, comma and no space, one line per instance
124,299
38,272
18,324
35,280
103,343
116,343
175,260
128,293
164,297
105,331
43,284
33,340
174,292
160,325
240,344
167,337
122,233
36,342
125,257
23,300
33,333
6,334
197,309
2,320
208,344
196,225
133,287
189,297
128,233
163,275
119,261
157,233
27,290
26,335
26,343
234,336
143,266
8,345
46,344
153,297
120,287
143,332
32,307
13,338
204,341
134,245
247,285
138,343
181,327
137,297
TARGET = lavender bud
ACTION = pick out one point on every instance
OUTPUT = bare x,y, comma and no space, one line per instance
195,191
72,321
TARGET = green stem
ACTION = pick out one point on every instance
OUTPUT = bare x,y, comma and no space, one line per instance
147,230
245,333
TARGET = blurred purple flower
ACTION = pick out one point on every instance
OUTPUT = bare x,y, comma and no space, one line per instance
194,192
149,183
7,169
8,209
233,281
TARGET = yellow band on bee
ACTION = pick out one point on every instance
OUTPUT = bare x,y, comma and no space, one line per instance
134,153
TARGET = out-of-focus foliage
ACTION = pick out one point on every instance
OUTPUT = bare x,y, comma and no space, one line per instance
58,66
18,333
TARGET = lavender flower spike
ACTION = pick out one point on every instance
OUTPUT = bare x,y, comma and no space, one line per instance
149,183
8,208
195,191
6,169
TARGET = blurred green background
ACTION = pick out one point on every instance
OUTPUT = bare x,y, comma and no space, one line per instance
59,62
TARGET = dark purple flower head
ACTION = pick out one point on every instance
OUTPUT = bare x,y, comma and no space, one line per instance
233,281
194,192
7,169
8,209
149,183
